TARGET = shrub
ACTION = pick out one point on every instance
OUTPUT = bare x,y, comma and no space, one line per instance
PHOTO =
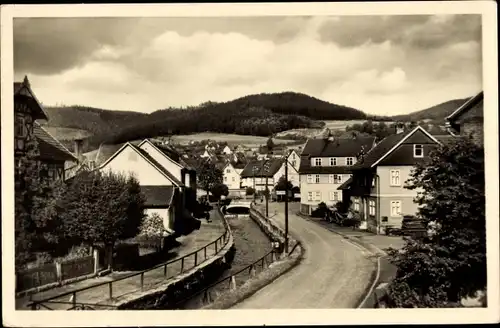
250,191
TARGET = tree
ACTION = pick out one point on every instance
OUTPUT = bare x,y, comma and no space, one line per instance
152,230
250,191
432,271
219,190
103,207
36,220
283,184
270,144
209,176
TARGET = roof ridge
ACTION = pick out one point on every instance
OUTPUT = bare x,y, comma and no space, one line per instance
55,139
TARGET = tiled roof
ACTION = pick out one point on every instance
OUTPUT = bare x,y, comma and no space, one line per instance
158,195
172,153
50,148
33,103
159,166
474,103
338,147
445,138
258,165
379,150
345,185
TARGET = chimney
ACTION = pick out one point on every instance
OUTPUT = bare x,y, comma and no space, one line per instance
26,82
400,128
78,143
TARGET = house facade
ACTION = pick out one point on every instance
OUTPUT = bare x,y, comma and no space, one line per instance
377,189
231,175
324,166
256,172
164,191
53,156
468,119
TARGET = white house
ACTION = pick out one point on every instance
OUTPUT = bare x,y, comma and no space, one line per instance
231,175
165,192
227,150
255,173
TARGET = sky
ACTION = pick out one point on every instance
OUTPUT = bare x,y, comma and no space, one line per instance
383,65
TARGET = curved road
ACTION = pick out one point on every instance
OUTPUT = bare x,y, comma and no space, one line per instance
333,273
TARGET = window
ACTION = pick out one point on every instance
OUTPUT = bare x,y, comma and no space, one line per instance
349,161
317,178
310,196
331,178
225,179
317,195
317,162
20,131
309,178
333,161
334,195
371,206
293,155
373,181
396,208
337,178
234,179
293,163
356,204
418,151
228,171
395,178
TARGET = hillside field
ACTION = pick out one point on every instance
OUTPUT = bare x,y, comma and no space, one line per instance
231,139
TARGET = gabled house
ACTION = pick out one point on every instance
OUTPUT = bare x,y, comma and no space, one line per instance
164,190
325,164
294,159
53,156
255,173
231,175
377,189
468,119
227,150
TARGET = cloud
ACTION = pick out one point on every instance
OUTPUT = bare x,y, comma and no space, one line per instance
376,64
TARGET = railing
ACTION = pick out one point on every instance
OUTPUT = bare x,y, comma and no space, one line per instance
94,296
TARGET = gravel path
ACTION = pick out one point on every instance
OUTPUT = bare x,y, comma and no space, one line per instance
333,274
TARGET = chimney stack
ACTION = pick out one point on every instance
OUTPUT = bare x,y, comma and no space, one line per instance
78,143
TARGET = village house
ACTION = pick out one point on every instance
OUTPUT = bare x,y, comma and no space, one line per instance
167,184
232,179
325,165
377,189
468,119
53,156
227,150
256,171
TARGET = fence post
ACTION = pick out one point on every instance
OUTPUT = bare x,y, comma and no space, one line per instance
58,271
233,282
142,281
196,258
205,251
216,247
96,260
110,290
74,298
165,270
182,264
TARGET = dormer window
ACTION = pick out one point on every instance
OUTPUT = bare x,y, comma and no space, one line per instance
317,162
349,161
418,151
333,161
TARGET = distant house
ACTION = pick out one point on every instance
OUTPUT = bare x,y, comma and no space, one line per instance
231,176
164,190
254,174
377,188
468,119
227,150
325,164
53,156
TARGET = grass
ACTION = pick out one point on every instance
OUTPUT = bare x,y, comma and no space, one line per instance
231,139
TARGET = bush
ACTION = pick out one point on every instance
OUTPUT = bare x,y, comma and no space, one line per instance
321,211
250,191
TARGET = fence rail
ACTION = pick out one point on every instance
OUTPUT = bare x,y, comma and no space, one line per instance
82,298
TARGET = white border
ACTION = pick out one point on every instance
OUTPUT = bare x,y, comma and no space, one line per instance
255,317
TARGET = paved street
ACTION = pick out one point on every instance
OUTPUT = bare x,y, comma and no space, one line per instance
333,274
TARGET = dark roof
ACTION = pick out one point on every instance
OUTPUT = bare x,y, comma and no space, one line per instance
379,150
238,165
338,147
445,138
345,185
157,196
472,103
173,154
158,165
50,148
258,165
30,98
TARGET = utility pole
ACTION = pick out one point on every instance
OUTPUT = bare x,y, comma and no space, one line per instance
266,166
286,204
